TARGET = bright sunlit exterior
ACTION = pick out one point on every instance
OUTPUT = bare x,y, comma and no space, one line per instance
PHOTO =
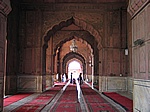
75,68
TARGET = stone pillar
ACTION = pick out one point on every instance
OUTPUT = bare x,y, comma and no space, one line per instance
4,11
139,11
92,69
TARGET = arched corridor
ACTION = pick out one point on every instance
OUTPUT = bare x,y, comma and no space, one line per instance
102,44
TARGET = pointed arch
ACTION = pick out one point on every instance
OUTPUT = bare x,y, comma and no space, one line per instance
73,55
78,22
87,27
89,42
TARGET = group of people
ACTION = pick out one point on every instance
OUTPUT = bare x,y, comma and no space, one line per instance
73,80
79,79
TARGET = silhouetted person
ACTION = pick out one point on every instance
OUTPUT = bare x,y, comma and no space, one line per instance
74,81
80,78
71,78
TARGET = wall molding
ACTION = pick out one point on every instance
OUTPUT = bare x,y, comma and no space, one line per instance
141,95
136,6
5,7
107,83
29,83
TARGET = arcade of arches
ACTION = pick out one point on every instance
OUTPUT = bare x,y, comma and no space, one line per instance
35,39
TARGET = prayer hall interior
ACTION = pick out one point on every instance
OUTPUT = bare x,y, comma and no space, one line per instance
74,56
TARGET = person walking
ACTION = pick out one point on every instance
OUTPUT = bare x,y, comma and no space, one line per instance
71,78
80,78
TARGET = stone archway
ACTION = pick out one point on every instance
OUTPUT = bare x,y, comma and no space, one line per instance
78,22
80,37
70,56
86,27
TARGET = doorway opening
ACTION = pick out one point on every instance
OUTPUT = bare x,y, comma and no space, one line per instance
75,68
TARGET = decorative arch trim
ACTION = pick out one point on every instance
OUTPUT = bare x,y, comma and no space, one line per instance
78,22
91,46
5,7
74,55
135,6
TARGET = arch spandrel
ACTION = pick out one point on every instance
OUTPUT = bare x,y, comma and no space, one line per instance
73,56
78,36
89,28
76,21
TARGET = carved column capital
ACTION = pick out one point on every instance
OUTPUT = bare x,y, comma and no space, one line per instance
5,7
136,5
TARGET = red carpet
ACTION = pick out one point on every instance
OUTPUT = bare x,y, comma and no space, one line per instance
29,108
68,101
123,101
101,107
37,104
67,107
14,98
95,102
